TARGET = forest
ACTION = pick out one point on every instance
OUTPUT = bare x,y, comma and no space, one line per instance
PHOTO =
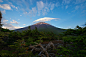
28,43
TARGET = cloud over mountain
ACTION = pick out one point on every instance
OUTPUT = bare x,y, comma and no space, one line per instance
44,19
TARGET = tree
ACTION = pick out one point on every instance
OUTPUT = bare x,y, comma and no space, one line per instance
0,20
78,27
29,28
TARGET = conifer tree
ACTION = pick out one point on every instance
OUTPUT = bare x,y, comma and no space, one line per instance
0,20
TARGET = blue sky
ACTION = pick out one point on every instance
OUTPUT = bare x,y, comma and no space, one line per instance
59,13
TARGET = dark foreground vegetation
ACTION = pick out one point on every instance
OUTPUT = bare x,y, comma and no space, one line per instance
71,43
17,44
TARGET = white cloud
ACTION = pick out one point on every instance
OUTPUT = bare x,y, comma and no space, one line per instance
44,19
1,1
14,6
39,12
80,7
15,27
77,7
8,25
13,21
41,8
24,24
57,4
26,3
66,6
44,12
79,1
3,11
66,1
20,15
52,7
44,8
33,12
5,6
40,5
5,20
25,12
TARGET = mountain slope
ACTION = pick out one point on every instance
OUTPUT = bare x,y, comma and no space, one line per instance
42,26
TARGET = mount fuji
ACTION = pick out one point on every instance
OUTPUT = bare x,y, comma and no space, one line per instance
42,26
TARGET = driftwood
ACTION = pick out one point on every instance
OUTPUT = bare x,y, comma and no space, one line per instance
45,49
49,45
42,49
